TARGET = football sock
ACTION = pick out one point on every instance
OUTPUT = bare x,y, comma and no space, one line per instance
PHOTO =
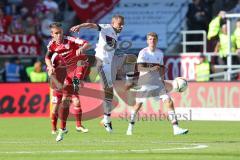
107,107
172,117
54,118
78,116
106,118
133,117
64,111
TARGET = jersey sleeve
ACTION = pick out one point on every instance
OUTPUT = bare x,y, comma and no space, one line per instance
77,41
102,27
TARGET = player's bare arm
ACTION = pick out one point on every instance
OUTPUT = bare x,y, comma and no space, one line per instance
145,67
83,25
48,62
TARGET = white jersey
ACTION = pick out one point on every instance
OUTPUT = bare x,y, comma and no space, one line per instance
107,43
147,56
150,82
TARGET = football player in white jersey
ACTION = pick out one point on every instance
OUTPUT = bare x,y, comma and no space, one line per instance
105,49
150,64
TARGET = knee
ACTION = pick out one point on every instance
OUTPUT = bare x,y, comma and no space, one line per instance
76,102
55,108
66,101
168,102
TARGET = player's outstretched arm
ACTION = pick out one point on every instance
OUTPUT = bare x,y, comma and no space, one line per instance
83,25
48,62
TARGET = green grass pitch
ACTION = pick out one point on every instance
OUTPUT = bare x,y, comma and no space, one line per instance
30,139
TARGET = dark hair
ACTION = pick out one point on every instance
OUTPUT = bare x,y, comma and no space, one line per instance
55,24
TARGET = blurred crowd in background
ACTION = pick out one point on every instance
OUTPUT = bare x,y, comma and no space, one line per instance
19,18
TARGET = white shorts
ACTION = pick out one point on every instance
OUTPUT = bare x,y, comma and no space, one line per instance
151,85
147,91
108,71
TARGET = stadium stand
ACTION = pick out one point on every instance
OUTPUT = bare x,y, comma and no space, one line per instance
165,17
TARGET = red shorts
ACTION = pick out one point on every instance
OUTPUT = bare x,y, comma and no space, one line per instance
58,95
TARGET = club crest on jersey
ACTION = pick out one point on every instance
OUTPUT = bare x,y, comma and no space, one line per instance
111,42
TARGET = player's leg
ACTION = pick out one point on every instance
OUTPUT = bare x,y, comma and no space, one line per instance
168,102
64,112
78,114
106,80
54,118
56,101
133,115
107,108
141,97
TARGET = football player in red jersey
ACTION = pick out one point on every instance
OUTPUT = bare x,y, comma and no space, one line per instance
66,64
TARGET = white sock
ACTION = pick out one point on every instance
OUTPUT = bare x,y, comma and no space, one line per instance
107,107
172,117
106,118
133,117
175,127
130,126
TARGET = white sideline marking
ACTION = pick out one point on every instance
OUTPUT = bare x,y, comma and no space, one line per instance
188,147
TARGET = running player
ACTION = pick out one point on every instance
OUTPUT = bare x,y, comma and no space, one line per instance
150,64
105,49
70,51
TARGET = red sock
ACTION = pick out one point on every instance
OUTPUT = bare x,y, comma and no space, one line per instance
54,118
78,116
64,111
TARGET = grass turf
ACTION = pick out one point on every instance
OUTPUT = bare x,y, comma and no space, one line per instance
30,139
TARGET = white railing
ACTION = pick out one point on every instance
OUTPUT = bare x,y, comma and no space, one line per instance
220,74
230,17
227,74
186,43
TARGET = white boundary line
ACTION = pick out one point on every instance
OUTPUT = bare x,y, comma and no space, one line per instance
154,150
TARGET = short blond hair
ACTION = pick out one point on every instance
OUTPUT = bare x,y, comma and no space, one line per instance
152,34
117,16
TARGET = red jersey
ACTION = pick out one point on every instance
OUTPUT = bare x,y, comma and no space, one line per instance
67,52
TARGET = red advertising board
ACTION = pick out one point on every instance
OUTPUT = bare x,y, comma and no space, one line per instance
19,44
210,95
32,100
181,65
201,101
24,100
